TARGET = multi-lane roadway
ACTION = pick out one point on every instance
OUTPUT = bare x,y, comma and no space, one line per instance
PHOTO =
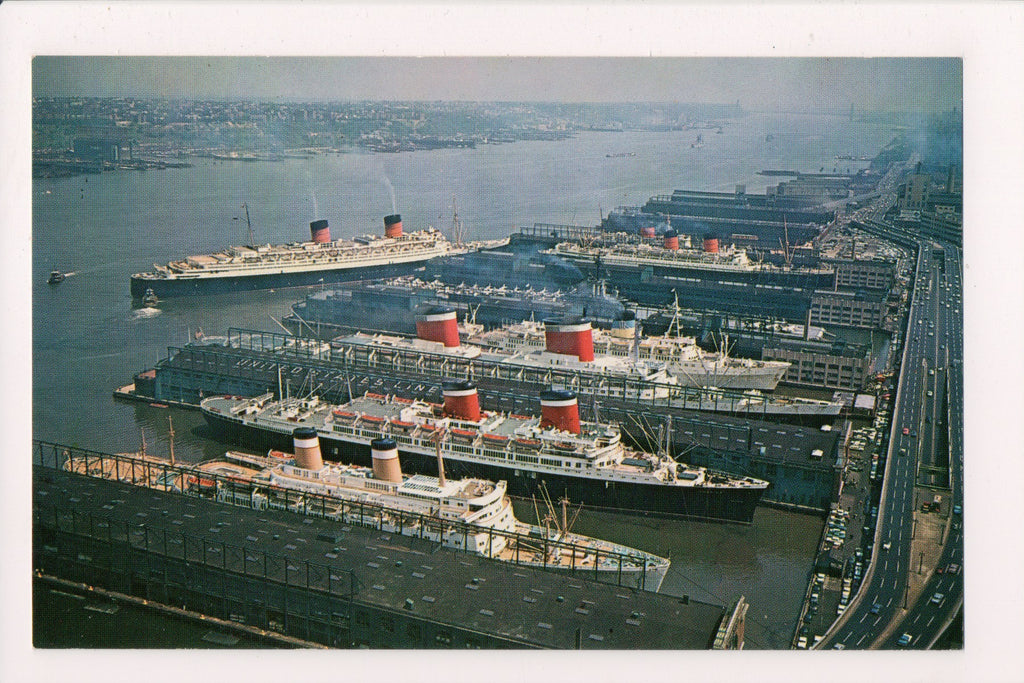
924,421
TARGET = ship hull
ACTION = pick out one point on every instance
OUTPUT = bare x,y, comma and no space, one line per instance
743,380
724,504
165,288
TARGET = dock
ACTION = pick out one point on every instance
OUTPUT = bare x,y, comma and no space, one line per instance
341,586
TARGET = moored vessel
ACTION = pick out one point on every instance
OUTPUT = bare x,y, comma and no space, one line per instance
468,514
568,346
584,461
690,365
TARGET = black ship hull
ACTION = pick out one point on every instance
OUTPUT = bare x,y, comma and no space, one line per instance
248,283
723,504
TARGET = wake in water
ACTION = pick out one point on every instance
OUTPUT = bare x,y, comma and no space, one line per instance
144,313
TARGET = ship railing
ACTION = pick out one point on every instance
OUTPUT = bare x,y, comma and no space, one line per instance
202,484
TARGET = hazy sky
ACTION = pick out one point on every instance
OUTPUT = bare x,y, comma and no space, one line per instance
757,83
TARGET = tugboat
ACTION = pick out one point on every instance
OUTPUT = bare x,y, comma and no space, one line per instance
56,277
149,299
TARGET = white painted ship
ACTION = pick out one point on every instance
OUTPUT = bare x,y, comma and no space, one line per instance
473,515
690,365
568,348
320,260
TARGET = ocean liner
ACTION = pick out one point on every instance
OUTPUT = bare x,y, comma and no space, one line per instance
676,255
471,515
687,362
386,304
253,267
585,462
568,348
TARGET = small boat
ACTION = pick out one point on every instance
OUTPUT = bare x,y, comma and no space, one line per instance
149,299
56,277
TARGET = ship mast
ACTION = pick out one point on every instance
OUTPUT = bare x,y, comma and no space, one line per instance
440,460
456,225
252,238
170,435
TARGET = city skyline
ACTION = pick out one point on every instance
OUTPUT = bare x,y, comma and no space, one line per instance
773,84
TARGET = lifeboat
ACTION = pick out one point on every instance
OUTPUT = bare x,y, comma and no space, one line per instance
464,435
372,419
496,438
403,426
343,415
526,444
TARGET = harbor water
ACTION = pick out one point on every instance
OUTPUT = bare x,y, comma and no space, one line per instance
88,339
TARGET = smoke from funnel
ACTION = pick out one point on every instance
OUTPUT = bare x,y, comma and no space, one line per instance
391,191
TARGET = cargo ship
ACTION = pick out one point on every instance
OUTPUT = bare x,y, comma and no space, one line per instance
320,260
386,304
470,515
690,365
583,461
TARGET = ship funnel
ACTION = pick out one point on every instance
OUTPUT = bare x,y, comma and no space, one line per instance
307,449
625,326
320,231
671,240
393,225
711,244
461,400
439,324
647,231
559,409
386,466
572,338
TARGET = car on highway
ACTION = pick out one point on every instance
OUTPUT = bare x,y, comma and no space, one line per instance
937,598
952,568
904,640
886,545
957,509
876,607
906,431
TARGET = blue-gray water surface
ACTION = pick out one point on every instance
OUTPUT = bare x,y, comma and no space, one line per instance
87,340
